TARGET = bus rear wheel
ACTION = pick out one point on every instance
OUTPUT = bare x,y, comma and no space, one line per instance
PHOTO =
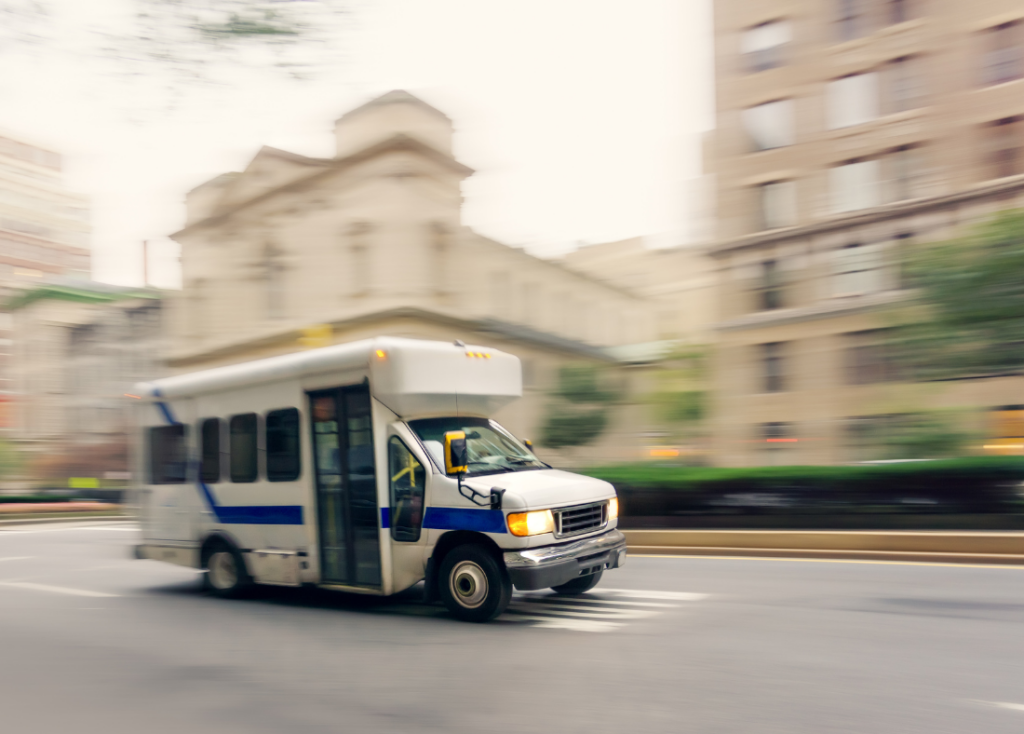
226,574
473,585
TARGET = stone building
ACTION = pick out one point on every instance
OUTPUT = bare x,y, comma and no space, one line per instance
847,132
79,347
44,232
371,242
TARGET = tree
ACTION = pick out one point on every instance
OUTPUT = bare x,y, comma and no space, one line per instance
578,413
680,400
173,44
967,319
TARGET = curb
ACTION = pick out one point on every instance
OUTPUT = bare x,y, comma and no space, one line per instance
1001,548
61,519
985,559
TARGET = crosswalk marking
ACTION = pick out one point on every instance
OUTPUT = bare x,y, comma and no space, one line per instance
54,589
593,612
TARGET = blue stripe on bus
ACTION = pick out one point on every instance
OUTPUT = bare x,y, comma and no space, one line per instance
454,518
457,518
239,514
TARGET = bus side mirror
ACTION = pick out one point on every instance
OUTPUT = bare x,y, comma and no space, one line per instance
456,455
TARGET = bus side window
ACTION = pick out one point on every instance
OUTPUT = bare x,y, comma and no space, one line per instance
209,451
408,480
283,463
168,454
244,456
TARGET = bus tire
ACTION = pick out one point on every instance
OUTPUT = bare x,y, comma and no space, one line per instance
226,575
579,585
473,584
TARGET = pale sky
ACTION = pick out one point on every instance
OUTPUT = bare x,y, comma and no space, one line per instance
582,118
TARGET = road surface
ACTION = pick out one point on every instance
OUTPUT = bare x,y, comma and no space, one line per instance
93,641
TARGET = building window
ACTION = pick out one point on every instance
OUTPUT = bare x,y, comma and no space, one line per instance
1004,53
770,291
852,100
440,247
859,269
866,437
777,204
283,462
904,252
408,480
899,11
769,125
777,437
244,455
853,19
168,454
209,450
359,248
275,282
763,46
854,185
903,84
902,169
869,358
1005,138
773,377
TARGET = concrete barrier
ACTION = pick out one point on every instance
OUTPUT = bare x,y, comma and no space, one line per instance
928,546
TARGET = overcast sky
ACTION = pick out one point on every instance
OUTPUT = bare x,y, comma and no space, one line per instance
582,118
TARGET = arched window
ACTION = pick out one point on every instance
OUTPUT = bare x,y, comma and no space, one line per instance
274,281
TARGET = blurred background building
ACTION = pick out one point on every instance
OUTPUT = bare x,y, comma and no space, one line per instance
44,231
79,347
296,251
848,132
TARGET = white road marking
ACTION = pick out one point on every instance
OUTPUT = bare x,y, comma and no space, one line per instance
592,612
588,614
63,530
1010,706
15,558
669,595
54,589
549,599
576,625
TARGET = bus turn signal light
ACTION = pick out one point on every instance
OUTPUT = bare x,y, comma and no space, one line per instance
538,522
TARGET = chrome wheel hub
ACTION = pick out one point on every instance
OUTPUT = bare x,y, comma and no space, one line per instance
468,584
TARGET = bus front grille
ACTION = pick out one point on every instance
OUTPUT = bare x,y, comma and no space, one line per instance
580,519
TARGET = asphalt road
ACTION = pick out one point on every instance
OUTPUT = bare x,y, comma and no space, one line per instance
91,641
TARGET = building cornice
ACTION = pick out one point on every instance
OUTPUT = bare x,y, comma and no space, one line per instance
400,142
826,309
1010,185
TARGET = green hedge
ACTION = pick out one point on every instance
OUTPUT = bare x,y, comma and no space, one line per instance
990,484
14,498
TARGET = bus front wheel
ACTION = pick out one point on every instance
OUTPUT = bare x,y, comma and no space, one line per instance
473,585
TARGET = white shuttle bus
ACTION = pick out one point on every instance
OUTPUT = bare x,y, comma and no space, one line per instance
366,467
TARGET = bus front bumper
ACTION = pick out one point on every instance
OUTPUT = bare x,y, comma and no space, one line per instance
553,565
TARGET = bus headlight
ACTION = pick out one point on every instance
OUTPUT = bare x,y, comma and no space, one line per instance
537,522
613,509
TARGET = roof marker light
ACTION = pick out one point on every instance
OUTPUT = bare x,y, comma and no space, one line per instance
381,354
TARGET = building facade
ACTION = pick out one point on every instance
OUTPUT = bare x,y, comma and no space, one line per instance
848,132
44,232
79,348
371,242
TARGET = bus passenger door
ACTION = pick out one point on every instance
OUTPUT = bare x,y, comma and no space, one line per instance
407,499
346,486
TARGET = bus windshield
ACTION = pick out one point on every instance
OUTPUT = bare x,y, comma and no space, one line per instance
492,449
